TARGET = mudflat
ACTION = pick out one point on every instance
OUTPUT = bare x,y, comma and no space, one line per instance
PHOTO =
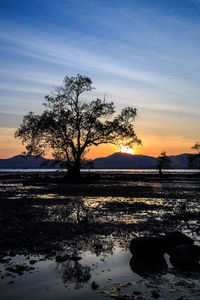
44,217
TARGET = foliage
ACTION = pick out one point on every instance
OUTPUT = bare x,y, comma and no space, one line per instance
194,159
196,147
163,161
69,126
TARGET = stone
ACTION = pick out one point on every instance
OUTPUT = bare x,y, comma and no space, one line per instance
185,256
148,252
175,239
32,261
148,247
94,285
62,258
151,247
144,266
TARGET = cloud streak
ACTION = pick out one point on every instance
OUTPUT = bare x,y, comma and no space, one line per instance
143,53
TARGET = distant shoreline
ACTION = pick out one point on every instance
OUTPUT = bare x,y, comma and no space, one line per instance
100,170
53,175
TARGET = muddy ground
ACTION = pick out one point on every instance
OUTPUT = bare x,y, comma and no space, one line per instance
39,212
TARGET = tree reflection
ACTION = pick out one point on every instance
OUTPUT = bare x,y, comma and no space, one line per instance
73,272
101,246
146,266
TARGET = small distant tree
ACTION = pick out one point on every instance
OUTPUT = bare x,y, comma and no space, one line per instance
163,161
194,159
69,126
196,147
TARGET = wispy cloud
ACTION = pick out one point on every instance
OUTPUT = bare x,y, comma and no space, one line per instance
70,56
141,53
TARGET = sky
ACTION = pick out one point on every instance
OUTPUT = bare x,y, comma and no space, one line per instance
139,53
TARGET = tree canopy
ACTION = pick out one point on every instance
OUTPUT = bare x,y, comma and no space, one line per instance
163,161
196,147
69,126
194,159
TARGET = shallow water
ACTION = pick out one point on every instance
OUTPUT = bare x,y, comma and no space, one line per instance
102,171
110,270
149,207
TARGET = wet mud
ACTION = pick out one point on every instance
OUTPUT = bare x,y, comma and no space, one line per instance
48,220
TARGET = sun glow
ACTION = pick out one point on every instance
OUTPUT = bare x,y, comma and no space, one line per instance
125,149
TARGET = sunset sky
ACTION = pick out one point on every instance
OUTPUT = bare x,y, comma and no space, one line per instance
139,53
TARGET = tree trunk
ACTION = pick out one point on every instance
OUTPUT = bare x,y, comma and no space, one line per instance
74,171
160,169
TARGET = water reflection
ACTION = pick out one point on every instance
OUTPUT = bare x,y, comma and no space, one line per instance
74,265
89,210
101,247
73,278
145,266
73,272
93,210
157,200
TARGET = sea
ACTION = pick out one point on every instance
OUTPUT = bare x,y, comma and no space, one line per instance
104,171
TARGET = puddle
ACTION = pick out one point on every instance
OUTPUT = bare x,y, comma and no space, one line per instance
93,276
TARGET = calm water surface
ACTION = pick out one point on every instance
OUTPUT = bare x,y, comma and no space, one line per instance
111,271
103,171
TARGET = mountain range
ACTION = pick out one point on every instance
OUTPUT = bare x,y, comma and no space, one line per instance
117,160
128,161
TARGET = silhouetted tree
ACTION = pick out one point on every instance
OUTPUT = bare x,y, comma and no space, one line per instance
163,161
194,159
69,126
196,147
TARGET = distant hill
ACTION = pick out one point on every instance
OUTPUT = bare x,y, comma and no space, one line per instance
124,161
179,161
21,162
115,161
128,161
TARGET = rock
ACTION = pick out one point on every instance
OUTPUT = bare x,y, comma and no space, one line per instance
75,258
144,266
62,258
148,247
10,282
185,256
175,239
12,253
155,247
32,261
136,293
19,269
148,252
94,285
155,294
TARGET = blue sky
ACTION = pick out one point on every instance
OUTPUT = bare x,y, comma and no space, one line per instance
138,52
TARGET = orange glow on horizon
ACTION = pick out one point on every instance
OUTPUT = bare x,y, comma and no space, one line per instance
152,146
